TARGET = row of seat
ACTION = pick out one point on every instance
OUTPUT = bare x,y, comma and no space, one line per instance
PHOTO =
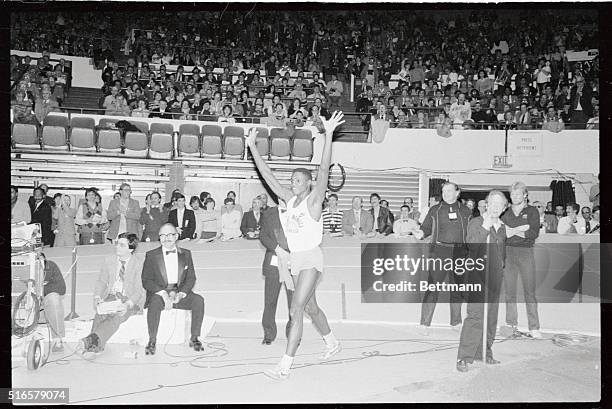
158,140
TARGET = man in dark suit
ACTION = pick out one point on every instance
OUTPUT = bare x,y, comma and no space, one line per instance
486,238
47,199
43,214
162,112
182,218
273,238
168,276
251,221
383,218
581,106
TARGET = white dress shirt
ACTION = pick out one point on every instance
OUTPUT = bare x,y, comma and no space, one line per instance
171,263
179,216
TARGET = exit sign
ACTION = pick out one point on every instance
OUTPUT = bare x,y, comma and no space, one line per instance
501,161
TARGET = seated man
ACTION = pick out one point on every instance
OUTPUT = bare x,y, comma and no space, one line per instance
168,276
405,225
357,222
54,288
230,221
118,282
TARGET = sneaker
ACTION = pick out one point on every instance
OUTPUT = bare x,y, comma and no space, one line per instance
535,334
423,330
331,351
276,373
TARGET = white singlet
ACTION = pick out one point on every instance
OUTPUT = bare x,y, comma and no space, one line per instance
302,231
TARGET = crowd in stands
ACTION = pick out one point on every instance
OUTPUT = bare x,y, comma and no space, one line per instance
199,218
202,95
453,68
41,87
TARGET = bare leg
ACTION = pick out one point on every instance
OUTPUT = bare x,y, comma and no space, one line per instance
305,285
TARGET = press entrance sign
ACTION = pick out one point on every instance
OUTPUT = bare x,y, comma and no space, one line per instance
524,143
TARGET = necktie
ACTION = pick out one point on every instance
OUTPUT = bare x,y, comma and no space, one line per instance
170,251
588,226
122,269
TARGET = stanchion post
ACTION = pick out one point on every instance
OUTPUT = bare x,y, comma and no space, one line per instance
343,291
73,314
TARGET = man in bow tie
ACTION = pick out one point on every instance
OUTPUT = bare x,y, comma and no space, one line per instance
168,276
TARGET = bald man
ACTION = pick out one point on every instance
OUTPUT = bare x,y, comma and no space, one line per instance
168,276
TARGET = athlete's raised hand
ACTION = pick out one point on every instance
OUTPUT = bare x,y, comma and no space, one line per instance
332,123
250,138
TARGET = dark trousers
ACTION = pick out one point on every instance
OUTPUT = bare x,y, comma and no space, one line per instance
470,345
579,120
192,301
439,275
271,292
104,326
521,261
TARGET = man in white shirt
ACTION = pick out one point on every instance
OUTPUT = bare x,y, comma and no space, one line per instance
405,225
168,276
20,211
571,224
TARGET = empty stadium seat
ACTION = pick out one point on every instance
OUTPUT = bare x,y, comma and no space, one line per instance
212,141
109,138
280,144
161,145
262,142
233,142
25,136
82,134
189,140
55,132
137,142
302,145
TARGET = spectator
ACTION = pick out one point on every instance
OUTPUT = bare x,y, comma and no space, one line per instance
44,105
182,219
152,217
20,211
123,214
230,220
581,104
65,234
211,221
226,115
198,211
356,221
22,109
552,122
383,218
141,111
335,90
91,219
571,224
332,217
42,213
595,223
250,224
405,225
461,110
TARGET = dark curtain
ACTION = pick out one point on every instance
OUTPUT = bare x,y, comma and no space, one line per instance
562,192
435,187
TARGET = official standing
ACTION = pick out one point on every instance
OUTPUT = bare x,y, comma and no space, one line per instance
522,228
486,239
273,238
447,223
